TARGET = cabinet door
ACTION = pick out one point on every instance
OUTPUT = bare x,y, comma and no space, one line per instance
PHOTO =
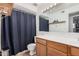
40,49
58,46
74,51
54,52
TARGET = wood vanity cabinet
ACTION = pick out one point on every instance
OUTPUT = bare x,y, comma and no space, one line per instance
74,51
51,48
56,49
40,47
54,52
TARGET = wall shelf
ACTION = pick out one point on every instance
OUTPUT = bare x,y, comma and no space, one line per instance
57,22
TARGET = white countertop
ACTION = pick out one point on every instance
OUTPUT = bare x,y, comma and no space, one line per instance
65,38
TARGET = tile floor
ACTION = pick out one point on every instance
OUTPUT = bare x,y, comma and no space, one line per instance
24,53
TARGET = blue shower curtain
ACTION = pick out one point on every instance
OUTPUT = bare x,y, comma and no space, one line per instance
21,31
4,33
6,41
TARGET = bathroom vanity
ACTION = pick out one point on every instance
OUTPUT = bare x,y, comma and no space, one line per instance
57,45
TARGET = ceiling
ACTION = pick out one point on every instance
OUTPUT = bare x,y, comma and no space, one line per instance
42,6
35,8
38,7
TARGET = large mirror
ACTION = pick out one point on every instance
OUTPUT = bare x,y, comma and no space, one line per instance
63,17
43,24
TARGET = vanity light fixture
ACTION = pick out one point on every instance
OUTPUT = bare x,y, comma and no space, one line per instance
51,6
44,10
48,8
55,4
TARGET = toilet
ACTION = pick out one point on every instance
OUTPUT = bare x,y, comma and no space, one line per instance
31,47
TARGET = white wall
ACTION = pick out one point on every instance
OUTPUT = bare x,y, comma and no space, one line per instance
64,27
37,23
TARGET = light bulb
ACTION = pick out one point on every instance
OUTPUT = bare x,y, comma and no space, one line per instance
51,6
55,3
47,8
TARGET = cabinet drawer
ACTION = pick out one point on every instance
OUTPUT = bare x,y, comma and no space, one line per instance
42,41
58,46
54,52
74,51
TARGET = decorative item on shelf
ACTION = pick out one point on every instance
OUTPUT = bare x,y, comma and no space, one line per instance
57,22
6,8
3,10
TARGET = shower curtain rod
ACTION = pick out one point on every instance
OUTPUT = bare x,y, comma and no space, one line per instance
23,11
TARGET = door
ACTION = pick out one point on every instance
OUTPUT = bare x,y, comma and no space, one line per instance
40,49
